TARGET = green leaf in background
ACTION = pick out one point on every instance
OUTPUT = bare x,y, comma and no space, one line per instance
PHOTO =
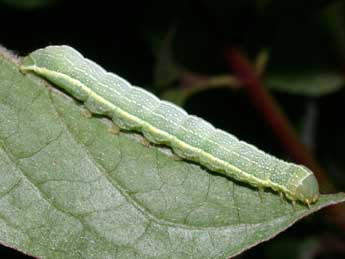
70,189
313,83
180,95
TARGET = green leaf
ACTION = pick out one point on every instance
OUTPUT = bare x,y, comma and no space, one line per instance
180,95
313,83
70,189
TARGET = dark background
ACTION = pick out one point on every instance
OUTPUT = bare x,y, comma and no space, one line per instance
148,42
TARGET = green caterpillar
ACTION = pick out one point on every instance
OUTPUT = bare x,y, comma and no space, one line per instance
161,122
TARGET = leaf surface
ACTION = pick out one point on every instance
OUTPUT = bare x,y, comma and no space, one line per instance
71,189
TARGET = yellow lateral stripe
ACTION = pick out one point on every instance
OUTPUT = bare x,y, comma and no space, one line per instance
169,137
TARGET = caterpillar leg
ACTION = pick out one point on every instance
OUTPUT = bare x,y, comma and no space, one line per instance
114,130
281,196
261,193
293,202
86,113
176,157
145,142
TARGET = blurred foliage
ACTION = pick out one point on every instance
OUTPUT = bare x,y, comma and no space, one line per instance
28,4
161,45
306,83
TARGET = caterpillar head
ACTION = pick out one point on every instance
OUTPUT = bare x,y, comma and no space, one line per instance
307,189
